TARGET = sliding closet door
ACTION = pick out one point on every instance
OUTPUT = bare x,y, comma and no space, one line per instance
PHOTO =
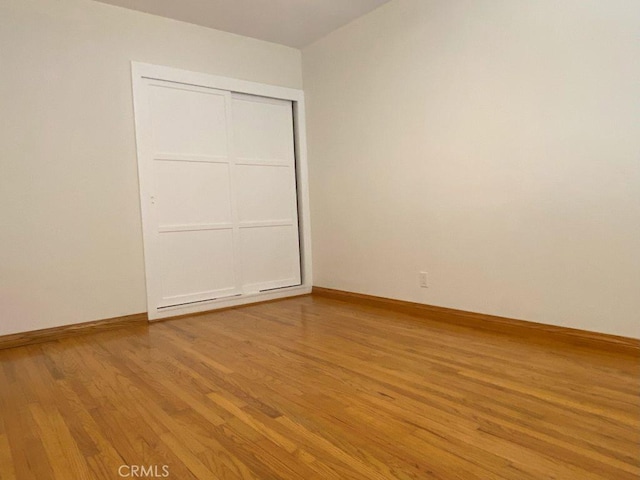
218,195
265,186
195,236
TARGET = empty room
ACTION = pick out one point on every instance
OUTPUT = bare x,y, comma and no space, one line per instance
320,239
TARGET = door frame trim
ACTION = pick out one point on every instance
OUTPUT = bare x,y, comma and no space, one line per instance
140,73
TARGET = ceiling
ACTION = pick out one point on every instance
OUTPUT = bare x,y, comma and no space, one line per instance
295,23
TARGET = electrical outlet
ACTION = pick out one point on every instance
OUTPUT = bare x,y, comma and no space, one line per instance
423,280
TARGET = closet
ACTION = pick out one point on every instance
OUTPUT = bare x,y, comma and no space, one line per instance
218,192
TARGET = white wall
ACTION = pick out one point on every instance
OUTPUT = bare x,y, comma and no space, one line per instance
70,231
494,144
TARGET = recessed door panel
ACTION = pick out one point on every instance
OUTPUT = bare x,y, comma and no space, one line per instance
192,193
265,193
196,265
263,129
267,261
188,120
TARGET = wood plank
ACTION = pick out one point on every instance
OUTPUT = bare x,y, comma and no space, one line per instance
7,471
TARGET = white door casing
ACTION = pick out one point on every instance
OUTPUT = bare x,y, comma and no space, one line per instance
223,221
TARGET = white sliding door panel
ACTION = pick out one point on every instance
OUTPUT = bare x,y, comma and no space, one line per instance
218,175
266,192
195,238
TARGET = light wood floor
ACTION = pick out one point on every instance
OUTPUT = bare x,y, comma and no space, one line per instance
316,388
